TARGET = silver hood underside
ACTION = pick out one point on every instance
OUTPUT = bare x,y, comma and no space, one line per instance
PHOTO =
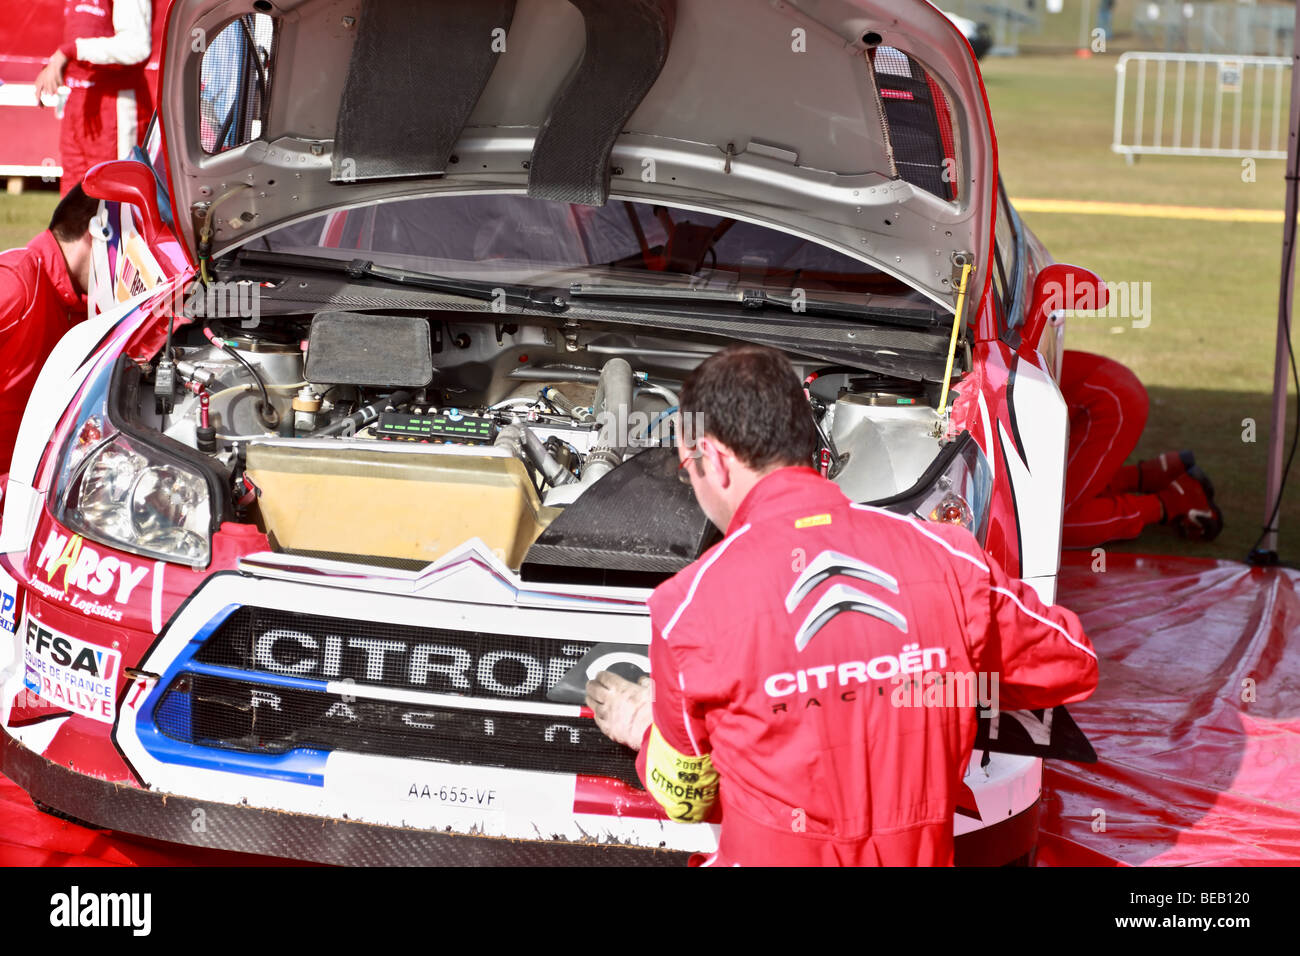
763,110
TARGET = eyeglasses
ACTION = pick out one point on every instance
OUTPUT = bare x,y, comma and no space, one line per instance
683,474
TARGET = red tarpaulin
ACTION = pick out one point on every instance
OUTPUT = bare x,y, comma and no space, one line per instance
1196,725
1196,720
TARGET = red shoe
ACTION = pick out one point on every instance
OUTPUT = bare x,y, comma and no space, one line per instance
1157,473
1188,504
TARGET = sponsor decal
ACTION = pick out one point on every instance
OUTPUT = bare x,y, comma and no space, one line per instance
629,661
136,267
830,564
813,521
8,603
445,667
912,660
70,673
841,598
460,724
10,611
70,566
685,785
850,674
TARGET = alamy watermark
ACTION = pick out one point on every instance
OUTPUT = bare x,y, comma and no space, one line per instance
78,909
240,301
961,689
1120,300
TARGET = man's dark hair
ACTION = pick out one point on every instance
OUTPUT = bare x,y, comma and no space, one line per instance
73,214
749,397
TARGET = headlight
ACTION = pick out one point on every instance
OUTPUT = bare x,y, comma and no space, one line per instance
956,489
121,492
125,497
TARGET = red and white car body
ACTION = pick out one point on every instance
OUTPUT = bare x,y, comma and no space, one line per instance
245,624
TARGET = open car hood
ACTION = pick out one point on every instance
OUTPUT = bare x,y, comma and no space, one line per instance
802,115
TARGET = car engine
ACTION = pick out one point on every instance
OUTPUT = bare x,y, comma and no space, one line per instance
404,437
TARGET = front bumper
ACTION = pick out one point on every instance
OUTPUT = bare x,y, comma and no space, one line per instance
243,829
349,806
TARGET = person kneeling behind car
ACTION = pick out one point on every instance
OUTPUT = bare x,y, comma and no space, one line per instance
776,655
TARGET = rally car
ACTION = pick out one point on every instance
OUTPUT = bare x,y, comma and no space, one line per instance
315,531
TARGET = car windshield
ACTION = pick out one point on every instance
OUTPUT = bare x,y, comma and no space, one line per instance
511,238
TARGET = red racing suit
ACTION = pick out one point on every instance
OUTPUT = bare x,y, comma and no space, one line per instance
1108,410
37,306
107,43
814,672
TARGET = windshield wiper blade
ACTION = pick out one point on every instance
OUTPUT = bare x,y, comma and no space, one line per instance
758,299
524,297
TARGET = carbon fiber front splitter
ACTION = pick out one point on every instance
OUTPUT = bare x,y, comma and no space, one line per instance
292,835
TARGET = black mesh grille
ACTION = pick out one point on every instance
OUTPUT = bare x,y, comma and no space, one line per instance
255,718
235,80
916,129
468,663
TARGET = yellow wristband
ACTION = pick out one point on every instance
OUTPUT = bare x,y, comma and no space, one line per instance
686,786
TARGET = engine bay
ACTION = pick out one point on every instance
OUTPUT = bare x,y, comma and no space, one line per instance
402,437
567,423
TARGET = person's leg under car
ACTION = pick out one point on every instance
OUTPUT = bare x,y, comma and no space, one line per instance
1104,499
1108,410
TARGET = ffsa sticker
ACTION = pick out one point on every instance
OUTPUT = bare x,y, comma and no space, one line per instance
70,673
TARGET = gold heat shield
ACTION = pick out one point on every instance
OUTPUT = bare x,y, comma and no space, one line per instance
355,498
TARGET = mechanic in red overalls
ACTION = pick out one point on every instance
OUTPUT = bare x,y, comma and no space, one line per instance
105,49
1106,500
42,295
791,663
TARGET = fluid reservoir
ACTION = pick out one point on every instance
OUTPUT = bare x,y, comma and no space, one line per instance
889,442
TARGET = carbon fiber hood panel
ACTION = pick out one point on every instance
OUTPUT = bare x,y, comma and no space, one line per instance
639,519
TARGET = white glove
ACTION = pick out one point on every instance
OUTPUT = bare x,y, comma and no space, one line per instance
623,710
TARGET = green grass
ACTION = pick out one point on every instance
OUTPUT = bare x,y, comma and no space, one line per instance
1207,356
1054,117
22,217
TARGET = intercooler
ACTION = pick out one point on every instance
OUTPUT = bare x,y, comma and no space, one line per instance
389,500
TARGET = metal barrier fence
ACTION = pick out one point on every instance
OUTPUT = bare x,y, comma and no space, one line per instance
1196,104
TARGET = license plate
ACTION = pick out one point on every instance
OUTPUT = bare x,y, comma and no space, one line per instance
428,791
452,795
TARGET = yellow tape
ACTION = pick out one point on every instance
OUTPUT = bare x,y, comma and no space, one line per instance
686,786
1148,210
